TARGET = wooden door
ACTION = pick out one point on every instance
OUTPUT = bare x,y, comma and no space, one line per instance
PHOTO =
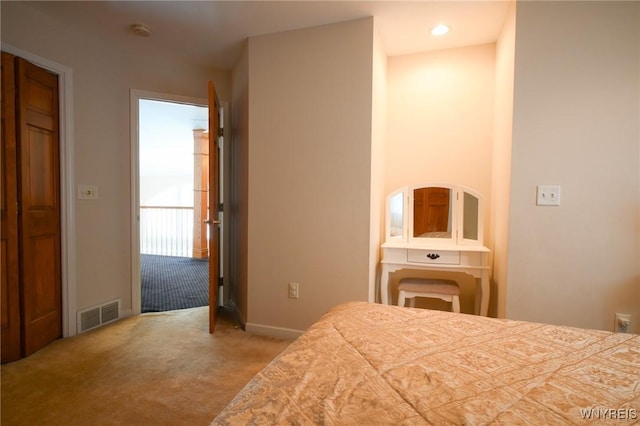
39,195
214,205
10,299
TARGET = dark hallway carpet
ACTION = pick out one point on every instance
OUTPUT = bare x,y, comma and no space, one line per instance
170,283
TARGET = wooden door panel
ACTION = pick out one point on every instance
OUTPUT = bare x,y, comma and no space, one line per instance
4,290
10,306
10,297
39,97
44,296
42,159
41,319
39,151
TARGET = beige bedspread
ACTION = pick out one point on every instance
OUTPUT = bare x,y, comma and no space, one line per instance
367,364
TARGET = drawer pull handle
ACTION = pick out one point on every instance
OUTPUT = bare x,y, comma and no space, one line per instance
433,256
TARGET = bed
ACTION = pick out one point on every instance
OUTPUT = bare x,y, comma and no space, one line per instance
366,364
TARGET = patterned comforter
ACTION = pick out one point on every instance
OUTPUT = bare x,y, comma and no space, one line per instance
365,363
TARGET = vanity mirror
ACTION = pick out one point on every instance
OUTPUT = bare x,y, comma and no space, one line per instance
436,227
434,213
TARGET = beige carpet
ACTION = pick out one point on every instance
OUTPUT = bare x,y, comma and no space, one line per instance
154,369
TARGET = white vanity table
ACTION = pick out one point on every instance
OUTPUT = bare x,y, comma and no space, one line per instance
436,227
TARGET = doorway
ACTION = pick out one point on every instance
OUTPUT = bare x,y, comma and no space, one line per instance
136,271
172,186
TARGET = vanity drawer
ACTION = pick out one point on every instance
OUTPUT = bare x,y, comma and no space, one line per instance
448,257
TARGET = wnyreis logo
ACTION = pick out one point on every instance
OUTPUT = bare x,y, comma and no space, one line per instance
598,413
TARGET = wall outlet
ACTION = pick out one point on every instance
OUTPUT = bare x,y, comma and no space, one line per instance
623,323
294,290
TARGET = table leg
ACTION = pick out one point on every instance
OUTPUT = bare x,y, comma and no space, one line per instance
477,307
384,285
484,295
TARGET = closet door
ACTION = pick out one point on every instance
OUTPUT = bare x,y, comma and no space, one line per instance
39,196
9,275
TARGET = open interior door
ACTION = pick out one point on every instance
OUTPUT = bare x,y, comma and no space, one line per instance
214,205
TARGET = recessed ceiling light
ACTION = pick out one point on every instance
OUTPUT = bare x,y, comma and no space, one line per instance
440,29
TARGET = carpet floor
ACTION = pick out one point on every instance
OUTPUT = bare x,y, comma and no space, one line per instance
151,369
169,283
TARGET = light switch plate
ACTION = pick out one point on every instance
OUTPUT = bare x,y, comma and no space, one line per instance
87,192
548,195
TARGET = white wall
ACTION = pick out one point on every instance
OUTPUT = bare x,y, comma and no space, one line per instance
378,144
239,204
309,169
440,112
103,75
501,164
575,125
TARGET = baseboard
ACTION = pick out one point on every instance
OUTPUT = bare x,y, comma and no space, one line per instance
279,332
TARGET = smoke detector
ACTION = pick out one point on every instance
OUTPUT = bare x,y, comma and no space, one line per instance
141,29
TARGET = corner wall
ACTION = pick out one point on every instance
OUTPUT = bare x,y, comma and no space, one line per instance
309,171
576,109
440,130
239,186
440,112
501,164
378,143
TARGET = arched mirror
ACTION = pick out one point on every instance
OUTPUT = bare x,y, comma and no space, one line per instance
434,213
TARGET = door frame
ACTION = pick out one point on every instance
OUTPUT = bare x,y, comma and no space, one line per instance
135,97
67,183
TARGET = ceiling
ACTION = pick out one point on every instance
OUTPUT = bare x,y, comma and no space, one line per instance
212,33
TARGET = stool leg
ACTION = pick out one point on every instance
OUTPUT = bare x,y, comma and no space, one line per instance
412,302
455,304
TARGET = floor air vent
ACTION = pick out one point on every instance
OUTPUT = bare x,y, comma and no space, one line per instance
99,315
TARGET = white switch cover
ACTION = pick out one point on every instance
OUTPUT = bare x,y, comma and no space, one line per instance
548,195
87,192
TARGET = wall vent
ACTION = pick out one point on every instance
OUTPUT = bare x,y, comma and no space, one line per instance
110,311
89,319
96,316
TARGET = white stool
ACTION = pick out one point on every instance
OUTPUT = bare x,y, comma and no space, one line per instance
447,290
